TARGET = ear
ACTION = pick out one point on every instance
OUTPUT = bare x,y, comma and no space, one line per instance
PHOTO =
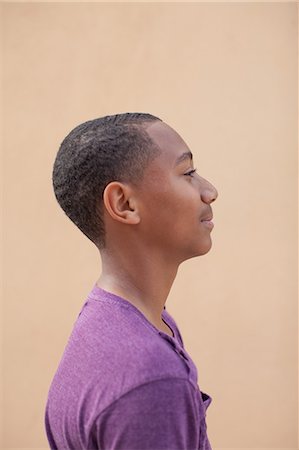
120,203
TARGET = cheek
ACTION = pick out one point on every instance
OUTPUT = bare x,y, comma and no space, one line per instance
169,201
160,215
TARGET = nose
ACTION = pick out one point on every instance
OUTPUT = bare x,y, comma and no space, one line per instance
208,193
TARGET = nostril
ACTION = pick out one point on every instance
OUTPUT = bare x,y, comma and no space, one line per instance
209,196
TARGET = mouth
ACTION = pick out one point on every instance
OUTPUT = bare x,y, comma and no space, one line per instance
207,221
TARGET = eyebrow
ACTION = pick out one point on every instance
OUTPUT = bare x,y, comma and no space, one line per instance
183,157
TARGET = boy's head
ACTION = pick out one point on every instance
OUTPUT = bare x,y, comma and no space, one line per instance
128,182
110,148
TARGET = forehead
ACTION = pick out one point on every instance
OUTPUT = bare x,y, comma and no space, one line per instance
168,140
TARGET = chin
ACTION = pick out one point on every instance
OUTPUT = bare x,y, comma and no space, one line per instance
204,247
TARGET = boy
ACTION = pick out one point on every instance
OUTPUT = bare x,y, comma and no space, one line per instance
125,380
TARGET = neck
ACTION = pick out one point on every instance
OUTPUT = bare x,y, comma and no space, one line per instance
145,280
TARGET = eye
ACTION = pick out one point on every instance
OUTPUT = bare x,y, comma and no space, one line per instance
190,173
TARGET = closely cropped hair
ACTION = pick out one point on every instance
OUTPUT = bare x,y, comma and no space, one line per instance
111,148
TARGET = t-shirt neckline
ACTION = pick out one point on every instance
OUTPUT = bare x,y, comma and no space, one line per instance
98,293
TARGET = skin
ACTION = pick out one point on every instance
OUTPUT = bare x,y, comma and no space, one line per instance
155,226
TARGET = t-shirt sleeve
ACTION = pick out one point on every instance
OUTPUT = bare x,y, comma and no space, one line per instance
159,415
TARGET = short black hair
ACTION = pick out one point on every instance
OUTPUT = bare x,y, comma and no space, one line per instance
110,148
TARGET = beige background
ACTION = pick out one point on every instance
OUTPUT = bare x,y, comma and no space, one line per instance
225,77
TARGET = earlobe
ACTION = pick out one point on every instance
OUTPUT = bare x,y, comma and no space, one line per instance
119,202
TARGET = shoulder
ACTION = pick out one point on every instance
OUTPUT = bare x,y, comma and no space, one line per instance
126,342
111,350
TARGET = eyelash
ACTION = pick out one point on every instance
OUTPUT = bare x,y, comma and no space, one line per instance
190,173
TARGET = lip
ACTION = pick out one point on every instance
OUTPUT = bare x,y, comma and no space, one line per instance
207,222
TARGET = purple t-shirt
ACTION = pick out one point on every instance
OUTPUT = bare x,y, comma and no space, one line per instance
123,384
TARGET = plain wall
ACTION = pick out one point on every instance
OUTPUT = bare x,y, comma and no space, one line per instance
224,75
